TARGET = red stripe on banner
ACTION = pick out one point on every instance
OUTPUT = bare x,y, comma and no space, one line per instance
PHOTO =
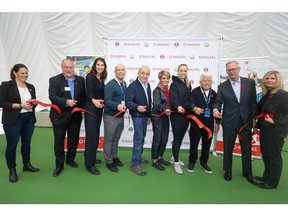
57,108
200,125
262,115
78,109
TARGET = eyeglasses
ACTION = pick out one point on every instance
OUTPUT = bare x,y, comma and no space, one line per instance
232,69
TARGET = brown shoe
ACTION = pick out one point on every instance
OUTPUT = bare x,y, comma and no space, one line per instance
138,170
143,161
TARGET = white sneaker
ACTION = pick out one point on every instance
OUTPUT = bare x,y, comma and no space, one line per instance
177,168
180,162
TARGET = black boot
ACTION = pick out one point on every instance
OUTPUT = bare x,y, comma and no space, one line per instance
28,167
13,175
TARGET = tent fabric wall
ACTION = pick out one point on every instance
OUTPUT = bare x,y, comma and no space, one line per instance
41,40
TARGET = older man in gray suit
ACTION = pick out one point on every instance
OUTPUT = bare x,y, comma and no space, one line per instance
238,97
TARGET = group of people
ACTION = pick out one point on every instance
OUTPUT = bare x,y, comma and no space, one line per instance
234,106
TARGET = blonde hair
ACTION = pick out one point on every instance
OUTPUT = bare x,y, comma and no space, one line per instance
186,78
279,82
163,73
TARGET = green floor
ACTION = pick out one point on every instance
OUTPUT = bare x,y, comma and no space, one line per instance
78,186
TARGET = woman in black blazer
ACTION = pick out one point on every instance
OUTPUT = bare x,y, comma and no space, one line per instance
273,129
18,118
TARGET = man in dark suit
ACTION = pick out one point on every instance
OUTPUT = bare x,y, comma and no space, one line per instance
238,97
67,92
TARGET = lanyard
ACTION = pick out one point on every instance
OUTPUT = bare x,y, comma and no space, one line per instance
207,99
122,87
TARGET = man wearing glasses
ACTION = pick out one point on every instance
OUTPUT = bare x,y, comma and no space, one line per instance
238,97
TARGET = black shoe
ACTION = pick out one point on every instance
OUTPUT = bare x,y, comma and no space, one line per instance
206,168
143,161
158,166
228,175
97,161
28,167
57,171
13,175
259,178
93,170
163,162
266,185
117,162
190,167
250,178
112,167
72,164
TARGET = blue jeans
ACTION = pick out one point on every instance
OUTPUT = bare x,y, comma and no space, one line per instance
24,127
140,127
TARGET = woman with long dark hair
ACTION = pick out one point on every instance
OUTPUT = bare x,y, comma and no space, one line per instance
94,104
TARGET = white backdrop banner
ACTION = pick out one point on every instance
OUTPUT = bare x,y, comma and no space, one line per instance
201,55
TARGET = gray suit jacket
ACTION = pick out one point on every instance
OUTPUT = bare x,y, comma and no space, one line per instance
232,109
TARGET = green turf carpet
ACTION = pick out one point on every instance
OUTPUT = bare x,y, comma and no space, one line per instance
76,185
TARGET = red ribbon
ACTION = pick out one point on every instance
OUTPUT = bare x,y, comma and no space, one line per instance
117,114
166,111
262,115
57,108
78,109
200,125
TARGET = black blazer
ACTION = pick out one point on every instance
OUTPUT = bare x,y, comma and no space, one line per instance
9,94
197,100
58,94
275,104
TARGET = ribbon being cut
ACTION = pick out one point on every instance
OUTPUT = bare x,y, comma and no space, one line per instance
262,115
200,125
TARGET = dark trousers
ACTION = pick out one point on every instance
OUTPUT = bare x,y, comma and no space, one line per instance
271,143
179,125
24,127
195,134
160,136
229,137
92,131
72,129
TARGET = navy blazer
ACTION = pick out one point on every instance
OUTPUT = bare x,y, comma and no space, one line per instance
135,96
232,109
9,94
59,96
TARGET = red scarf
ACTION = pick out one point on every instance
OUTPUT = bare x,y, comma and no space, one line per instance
167,93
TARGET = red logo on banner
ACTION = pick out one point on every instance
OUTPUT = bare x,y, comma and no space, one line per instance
176,44
162,56
206,69
81,143
117,44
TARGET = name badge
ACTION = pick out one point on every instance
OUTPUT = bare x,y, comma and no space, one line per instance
67,88
207,113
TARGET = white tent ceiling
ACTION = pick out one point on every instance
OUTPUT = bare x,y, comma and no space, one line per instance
42,40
